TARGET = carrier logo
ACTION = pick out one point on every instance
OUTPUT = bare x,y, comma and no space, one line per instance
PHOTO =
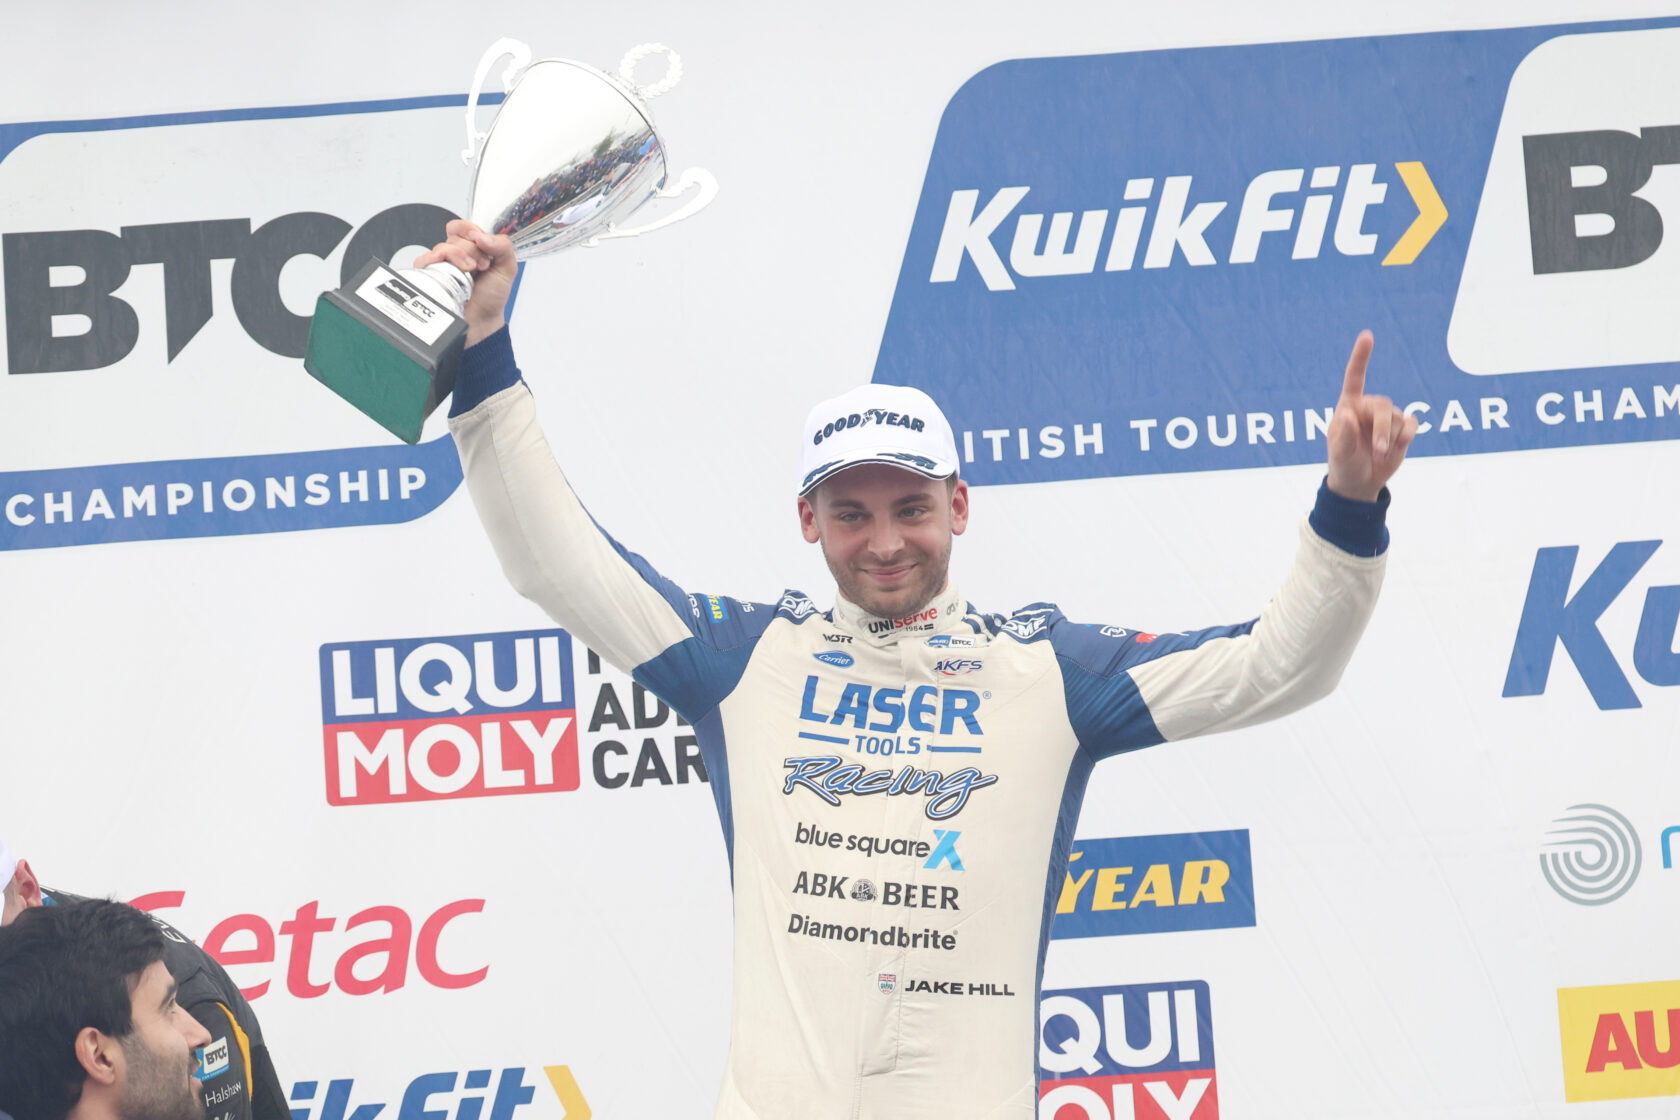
494,1094
1101,280
1156,884
1620,1041
837,658
426,719
1130,1052
1552,617
1594,856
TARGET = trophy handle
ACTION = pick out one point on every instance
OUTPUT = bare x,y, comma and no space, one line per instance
501,48
633,57
693,177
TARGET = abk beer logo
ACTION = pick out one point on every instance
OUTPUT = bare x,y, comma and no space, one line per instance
1129,1052
158,275
1620,1041
427,719
1177,290
1156,884
509,1093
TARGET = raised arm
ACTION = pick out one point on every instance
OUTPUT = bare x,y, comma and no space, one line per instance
550,549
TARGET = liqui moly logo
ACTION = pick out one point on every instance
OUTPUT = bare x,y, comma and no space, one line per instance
1128,1052
428,719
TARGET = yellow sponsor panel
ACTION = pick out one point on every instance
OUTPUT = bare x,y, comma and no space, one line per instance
1620,1040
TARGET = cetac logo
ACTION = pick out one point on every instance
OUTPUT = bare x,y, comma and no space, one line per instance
186,291
1128,1052
1552,617
1620,1041
374,960
447,1095
1156,884
1098,281
427,719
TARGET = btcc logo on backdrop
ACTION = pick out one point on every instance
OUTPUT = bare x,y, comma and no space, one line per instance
448,1095
159,273
425,719
1156,884
1620,1041
1128,1052
1075,297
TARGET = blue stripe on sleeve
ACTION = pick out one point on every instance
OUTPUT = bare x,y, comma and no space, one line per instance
1351,525
486,369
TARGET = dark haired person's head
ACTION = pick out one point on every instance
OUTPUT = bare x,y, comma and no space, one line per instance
89,1026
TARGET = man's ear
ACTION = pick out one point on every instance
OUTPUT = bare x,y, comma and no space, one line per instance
959,507
808,521
27,886
99,1055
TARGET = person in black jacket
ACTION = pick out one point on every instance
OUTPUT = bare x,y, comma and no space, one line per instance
239,1082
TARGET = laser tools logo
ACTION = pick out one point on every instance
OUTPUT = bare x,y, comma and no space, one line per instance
1177,289
157,273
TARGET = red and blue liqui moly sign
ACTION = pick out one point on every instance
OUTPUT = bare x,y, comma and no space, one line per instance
1128,1052
428,719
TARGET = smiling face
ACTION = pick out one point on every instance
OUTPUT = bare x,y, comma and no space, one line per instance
886,534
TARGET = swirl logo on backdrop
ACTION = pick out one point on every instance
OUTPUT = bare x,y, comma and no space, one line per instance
1177,289
158,275
1593,857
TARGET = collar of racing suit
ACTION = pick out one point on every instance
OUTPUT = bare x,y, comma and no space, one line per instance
942,616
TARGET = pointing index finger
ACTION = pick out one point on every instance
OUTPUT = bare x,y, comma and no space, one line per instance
1353,382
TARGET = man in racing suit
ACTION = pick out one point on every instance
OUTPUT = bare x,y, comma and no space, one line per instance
898,778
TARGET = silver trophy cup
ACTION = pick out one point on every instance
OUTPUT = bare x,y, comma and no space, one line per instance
570,155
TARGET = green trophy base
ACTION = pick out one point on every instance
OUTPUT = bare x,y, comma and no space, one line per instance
387,348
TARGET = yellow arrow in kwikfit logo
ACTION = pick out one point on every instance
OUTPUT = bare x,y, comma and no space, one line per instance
566,1088
1432,214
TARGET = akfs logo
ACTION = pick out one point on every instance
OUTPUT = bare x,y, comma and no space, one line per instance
175,259
1620,1041
1129,1052
1489,202
427,719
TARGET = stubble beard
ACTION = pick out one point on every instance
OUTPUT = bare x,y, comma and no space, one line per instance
931,576
158,1088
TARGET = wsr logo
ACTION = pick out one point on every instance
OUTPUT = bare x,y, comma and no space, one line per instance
1130,1052
471,716
1552,617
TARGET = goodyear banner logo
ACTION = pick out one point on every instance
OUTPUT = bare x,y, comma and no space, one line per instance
1620,1041
1156,884
1150,262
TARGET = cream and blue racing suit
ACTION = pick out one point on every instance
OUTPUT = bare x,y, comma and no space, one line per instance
897,796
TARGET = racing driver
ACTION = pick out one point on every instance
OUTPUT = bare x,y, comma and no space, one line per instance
898,777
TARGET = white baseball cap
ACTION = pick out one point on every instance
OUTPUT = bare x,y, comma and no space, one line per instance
891,424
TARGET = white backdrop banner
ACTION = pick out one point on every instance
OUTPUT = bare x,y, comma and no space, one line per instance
261,672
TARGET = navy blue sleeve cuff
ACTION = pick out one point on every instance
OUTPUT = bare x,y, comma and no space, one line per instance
486,369
1352,526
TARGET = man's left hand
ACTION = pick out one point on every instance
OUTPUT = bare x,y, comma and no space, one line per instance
1368,436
